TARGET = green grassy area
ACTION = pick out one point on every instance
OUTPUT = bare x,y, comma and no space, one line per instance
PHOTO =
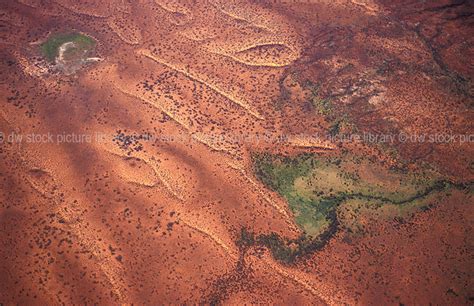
50,48
330,193
280,174
316,186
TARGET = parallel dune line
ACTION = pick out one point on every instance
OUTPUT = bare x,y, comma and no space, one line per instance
110,269
177,120
163,178
196,78
160,107
178,8
202,139
321,291
212,237
241,46
257,188
239,18
254,64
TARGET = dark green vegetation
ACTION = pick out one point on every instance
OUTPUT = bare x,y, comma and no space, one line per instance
286,250
325,192
82,43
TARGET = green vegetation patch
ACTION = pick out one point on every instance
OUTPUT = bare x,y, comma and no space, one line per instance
316,186
82,44
327,193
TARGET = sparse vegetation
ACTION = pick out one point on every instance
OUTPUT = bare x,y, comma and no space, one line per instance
323,106
341,125
338,123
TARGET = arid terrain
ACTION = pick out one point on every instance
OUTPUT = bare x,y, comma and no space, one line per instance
236,152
